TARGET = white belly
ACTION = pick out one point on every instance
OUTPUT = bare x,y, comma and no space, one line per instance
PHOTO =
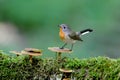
69,40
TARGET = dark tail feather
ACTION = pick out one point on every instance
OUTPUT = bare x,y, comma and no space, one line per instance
85,31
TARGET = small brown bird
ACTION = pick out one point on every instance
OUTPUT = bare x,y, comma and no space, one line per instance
69,36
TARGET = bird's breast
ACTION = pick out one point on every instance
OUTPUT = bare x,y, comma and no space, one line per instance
64,37
62,34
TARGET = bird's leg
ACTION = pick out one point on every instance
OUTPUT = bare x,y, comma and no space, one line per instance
71,47
63,46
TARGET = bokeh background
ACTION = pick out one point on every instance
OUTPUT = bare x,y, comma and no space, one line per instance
33,23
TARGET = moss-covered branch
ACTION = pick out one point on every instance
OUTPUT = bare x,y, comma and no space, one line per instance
19,68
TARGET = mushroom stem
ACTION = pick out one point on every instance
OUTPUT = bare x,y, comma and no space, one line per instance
66,76
30,58
59,56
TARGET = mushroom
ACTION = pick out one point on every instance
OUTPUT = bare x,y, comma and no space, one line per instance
66,70
66,74
66,79
31,52
15,52
59,51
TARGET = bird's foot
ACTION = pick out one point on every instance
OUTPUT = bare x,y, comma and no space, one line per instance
62,48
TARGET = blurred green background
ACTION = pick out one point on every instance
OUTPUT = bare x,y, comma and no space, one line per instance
33,23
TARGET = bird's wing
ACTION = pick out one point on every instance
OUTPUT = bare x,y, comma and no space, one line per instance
74,36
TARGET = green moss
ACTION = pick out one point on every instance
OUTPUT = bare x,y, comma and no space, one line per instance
19,68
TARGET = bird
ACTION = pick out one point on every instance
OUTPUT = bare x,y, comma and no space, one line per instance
68,36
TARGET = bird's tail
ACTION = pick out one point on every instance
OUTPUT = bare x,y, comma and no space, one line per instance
83,32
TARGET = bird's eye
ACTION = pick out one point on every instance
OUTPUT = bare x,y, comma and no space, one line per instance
64,27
